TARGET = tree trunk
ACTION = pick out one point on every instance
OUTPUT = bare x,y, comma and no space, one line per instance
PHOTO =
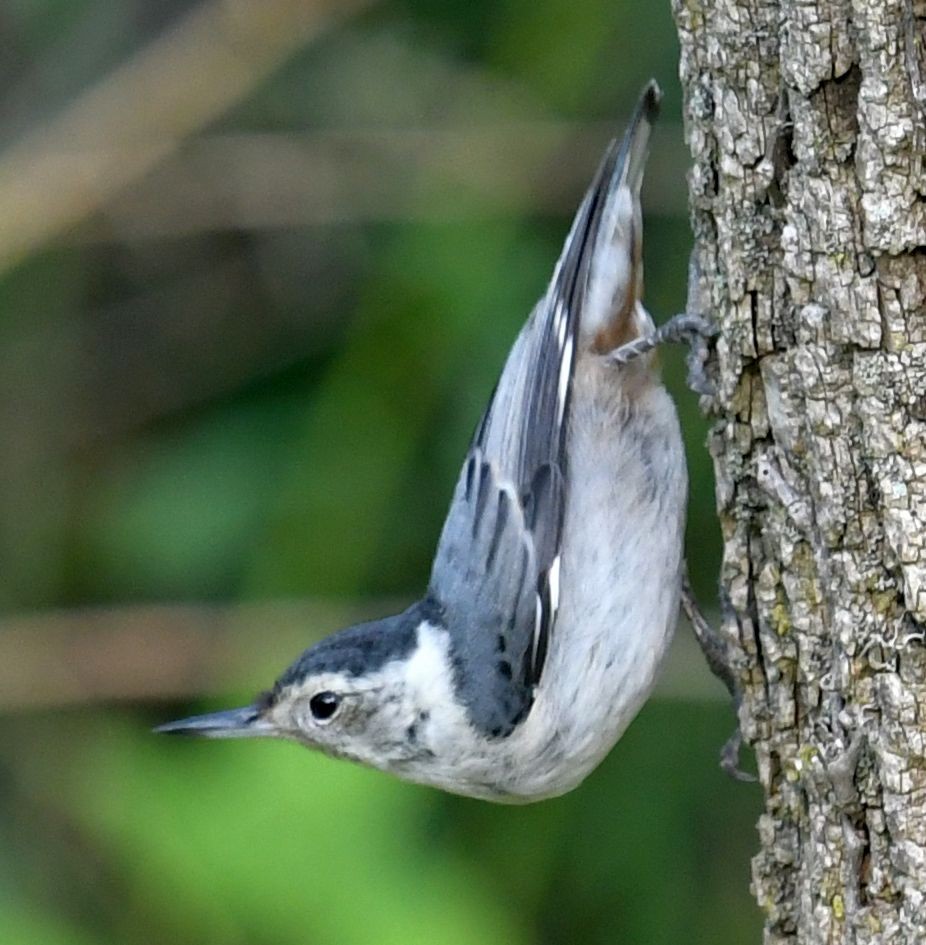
808,194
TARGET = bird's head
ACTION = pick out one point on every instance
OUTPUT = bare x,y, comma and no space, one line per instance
377,693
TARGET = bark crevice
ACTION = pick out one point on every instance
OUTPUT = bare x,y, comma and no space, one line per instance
805,123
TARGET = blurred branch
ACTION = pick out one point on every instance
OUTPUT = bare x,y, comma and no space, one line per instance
175,651
138,115
149,652
252,181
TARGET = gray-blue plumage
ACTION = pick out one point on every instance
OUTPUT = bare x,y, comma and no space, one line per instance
496,569
363,648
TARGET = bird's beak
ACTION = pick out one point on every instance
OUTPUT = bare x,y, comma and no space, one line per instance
245,722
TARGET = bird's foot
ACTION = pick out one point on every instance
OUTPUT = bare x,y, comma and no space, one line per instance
717,653
687,328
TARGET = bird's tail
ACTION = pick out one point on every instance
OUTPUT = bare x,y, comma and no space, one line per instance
606,241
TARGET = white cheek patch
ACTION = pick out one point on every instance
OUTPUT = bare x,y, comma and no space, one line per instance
431,694
428,674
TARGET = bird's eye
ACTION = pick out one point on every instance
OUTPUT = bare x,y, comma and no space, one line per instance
323,705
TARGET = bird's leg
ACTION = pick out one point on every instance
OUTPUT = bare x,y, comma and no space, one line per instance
717,654
712,644
687,327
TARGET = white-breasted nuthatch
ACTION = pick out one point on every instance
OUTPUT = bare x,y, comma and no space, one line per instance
555,588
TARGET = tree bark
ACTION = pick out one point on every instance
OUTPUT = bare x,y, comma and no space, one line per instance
808,194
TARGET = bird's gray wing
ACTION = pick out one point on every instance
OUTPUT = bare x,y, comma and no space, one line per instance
495,579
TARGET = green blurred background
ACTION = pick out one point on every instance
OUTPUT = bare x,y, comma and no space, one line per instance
260,262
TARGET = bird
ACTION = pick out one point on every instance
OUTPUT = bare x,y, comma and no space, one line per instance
556,583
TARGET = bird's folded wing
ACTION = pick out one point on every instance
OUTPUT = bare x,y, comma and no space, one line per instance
496,573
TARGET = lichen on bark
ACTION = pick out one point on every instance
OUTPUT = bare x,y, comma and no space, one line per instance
808,196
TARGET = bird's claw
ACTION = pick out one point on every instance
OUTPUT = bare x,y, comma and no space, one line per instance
730,758
685,328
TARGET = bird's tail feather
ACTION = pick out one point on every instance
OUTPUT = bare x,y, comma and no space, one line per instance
610,264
